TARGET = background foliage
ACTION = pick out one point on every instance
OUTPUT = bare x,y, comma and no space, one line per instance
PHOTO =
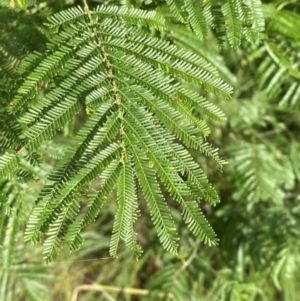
257,220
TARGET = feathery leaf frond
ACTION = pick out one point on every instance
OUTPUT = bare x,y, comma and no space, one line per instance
132,86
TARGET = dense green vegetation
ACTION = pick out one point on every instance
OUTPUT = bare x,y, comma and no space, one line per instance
149,150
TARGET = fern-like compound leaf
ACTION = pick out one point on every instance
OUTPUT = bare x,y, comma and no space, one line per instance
132,87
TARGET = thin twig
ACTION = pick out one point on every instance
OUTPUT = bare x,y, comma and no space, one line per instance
90,287
283,4
187,262
104,288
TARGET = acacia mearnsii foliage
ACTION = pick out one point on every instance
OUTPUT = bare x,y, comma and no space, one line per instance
117,121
